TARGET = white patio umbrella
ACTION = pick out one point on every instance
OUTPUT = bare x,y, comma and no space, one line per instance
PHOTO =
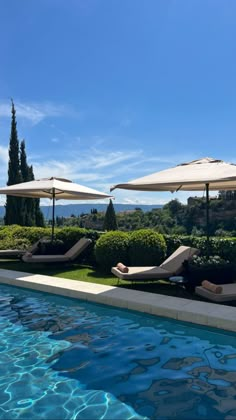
203,174
55,189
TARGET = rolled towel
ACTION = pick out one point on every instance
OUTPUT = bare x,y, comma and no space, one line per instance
212,287
123,268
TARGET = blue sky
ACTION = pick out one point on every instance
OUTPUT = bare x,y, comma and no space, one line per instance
107,91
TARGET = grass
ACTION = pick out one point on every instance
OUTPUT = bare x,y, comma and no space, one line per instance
92,275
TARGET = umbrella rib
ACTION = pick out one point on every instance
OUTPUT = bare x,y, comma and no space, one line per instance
179,188
49,193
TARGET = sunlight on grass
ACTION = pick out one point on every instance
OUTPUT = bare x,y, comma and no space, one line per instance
89,275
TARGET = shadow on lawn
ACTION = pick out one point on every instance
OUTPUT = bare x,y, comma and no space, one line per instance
55,269
38,268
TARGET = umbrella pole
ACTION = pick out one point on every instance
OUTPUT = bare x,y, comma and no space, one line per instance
207,219
53,213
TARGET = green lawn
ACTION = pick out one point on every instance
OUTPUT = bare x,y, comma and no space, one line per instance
92,275
89,274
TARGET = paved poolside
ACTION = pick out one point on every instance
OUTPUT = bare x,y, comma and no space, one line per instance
204,313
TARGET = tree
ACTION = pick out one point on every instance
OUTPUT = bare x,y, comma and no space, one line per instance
19,210
27,203
110,222
13,206
32,215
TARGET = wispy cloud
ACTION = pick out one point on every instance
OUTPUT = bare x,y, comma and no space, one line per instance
36,112
100,168
96,166
102,159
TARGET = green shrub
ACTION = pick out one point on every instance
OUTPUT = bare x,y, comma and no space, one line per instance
6,231
70,235
111,248
146,247
32,234
223,247
226,248
172,243
206,262
11,243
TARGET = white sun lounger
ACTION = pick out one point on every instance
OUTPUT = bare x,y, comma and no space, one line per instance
172,266
70,255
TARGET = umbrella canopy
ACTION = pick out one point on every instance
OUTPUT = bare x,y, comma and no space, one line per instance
54,188
206,173
192,176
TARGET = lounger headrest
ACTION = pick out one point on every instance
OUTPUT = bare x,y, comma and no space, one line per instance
212,287
123,268
174,263
78,247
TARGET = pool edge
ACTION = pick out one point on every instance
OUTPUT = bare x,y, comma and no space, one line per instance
196,312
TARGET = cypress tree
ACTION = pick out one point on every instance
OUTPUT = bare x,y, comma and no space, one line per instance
110,222
19,210
38,215
28,203
13,214
32,213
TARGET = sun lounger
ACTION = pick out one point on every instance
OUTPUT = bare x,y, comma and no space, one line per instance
12,253
228,293
172,266
70,255
18,253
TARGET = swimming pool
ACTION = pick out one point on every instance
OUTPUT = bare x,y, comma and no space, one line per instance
66,359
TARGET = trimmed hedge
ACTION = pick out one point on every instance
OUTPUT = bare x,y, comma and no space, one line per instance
12,243
137,250
223,247
146,247
31,234
111,248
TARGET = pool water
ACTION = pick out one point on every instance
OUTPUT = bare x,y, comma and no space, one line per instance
66,359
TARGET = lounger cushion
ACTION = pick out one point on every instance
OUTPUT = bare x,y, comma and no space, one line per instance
70,255
11,252
77,248
175,261
228,293
139,273
44,258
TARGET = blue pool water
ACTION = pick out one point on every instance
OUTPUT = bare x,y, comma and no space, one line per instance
67,359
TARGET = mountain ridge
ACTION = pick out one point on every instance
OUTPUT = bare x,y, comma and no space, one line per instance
77,209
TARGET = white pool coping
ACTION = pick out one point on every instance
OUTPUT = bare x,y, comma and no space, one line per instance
203,313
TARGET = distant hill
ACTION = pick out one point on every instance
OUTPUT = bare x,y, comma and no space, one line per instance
76,209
